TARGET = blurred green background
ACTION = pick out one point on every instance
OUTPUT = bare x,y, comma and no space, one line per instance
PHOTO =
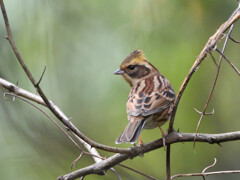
82,43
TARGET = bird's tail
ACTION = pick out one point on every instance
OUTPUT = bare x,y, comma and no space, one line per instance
131,132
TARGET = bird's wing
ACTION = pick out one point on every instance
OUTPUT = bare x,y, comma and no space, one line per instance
150,96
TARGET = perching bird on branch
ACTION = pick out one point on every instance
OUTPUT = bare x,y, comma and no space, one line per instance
150,101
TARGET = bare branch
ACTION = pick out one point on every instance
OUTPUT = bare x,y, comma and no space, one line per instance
172,138
52,108
49,117
215,81
138,172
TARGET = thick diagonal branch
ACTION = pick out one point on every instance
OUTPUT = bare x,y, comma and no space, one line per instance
52,108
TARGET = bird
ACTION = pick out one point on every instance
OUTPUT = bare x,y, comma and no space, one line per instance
150,100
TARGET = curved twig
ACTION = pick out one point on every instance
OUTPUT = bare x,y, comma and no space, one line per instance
208,167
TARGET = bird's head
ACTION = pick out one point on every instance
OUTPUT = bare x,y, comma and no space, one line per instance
135,67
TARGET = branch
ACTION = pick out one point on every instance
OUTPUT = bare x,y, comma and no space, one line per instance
172,138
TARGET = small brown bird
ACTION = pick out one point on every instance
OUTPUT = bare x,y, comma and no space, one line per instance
150,101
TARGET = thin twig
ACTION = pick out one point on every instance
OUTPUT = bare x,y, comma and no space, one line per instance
138,172
234,40
208,167
204,174
116,173
76,160
214,83
49,117
92,153
229,62
213,58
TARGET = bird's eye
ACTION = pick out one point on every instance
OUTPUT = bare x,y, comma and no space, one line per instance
131,67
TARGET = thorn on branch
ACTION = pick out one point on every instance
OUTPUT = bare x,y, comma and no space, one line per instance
36,85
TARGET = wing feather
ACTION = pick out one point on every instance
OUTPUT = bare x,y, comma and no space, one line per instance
152,99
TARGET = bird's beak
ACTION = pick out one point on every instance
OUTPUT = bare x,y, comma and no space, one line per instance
118,72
